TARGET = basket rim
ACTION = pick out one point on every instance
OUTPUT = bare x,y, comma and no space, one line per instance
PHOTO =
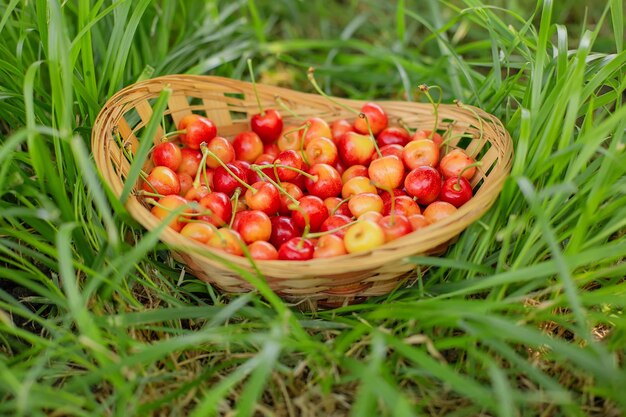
467,213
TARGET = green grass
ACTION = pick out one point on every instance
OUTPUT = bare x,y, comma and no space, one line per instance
524,315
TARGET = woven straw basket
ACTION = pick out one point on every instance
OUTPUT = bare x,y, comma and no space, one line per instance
230,103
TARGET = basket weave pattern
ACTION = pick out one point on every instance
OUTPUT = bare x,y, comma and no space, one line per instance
230,104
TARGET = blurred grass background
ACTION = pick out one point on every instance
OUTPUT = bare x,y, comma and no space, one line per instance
524,315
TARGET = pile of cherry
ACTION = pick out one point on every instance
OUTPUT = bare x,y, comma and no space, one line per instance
316,190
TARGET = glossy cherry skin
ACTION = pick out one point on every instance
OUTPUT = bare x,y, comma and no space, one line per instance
423,183
162,180
419,153
198,129
291,159
336,222
317,128
354,171
393,136
363,236
403,205
427,134
362,203
357,185
224,182
254,225
315,211
327,182
223,149
395,226
283,229
455,162
438,210
271,149
289,139
227,240
339,127
329,246
198,231
294,191
376,117
386,172
262,251
355,149
296,249
168,204
197,193
456,191
217,207
266,198
418,221
336,205
248,146
321,150
268,126
264,159
189,162
167,154
393,149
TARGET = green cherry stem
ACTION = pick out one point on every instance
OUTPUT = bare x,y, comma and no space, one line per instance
334,210
286,108
474,165
369,129
425,89
201,165
235,204
330,232
166,136
145,193
311,78
256,93
230,172
307,125
290,168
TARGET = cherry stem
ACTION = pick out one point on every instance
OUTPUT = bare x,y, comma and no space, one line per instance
334,210
201,165
311,78
278,165
475,164
170,134
148,194
206,150
330,232
307,125
369,129
284,106
403,124
425,89
235,204
256,93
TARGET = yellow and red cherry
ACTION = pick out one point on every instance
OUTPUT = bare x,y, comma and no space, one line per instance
162,180
323,181
338,128
222,149
198,231
290,139
363,236
292,190
376,117
215,208
321,150
395,226
248,146
386,172
423,183
336,222
418,221
422,152
263,196
362,203
354,171
197,193
227,240
317,127
291,162
428,134
167,154
438,211
262,251
254,225
403,205
168,204
393,149
197,129
357,185
189,162
356,149
336,205
457,162
186,183
329,246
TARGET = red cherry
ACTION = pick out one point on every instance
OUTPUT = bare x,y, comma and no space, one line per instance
186,182
393,149
296,249
291,159
456,191
327,182
167,154
376,117
222,149
198,129
395,226
336,205
268,125
393,136
338,128
438,210
248,146
168,204
266,198
217,207
386,172
283,229
271,149
329,246
423,183
403,205
418,221
294,191
315,211
224,182
335,222
426,134
197,193
456,162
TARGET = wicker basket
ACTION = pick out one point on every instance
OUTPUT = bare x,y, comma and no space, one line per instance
230,103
